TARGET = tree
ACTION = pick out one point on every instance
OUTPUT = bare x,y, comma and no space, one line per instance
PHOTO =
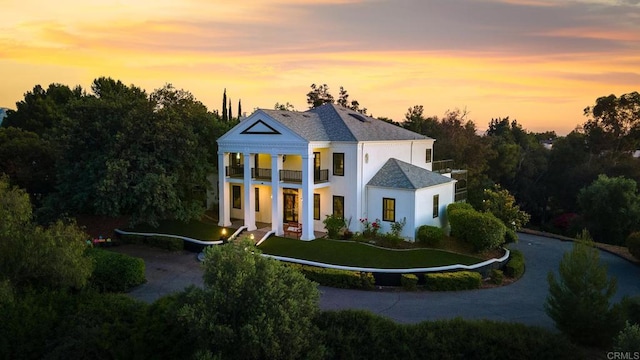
614,123
284,107
611,208
224,106
41,109
239,109
579,300
28,161
123,153
252,307
33,256
502,204
230,112
318,96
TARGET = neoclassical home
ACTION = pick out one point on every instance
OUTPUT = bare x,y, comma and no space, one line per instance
280,167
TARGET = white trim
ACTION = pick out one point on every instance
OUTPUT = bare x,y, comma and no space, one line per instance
195,241
393,271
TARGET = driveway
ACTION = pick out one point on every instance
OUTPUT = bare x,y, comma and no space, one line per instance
521,301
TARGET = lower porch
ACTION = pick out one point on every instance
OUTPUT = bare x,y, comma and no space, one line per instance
263,228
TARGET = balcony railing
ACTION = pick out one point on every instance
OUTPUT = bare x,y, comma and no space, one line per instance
321,176
234,171
292,176
261,174
442,166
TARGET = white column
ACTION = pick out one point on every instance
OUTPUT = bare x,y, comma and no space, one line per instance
224,202
249,201
277,199
307,197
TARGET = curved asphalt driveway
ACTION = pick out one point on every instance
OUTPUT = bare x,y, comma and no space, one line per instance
521,301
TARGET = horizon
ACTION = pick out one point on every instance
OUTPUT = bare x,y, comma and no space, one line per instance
540,62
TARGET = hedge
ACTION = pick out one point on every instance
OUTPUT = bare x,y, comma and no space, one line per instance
633,244
497,276
337,278
409,282
162,242
459,280
482,230
358,334
430,235
515,265
115,272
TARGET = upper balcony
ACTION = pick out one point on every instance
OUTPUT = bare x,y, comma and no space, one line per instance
448,167
287,176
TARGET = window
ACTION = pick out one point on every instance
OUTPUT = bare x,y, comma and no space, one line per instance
257,194
237,198
235,160
338,164
388,209
436,205
316,206
428,156
338,206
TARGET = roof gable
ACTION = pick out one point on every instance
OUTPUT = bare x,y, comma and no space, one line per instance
260,127
401,175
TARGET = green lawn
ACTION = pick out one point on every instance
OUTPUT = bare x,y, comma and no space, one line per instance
357,254
196,229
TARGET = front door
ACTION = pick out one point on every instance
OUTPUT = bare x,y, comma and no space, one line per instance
290,207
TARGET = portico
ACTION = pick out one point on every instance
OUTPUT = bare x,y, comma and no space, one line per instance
277,192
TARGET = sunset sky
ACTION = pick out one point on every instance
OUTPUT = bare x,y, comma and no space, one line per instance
538,61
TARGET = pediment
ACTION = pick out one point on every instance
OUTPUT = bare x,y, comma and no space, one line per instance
259,127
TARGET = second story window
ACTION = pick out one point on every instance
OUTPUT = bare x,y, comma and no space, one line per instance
428,156
338,164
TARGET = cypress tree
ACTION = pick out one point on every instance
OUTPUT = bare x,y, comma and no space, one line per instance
230,116
224,105
239,108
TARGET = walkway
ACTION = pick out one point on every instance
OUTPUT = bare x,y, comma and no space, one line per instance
521,301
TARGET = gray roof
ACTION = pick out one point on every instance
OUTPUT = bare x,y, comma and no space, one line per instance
401,175
332,122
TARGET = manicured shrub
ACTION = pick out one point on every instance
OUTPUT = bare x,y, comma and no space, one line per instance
515,265
482,230
115,272
633,244
497,276
167,243
430,235
409,282
337,278
458,206
510,236
459,280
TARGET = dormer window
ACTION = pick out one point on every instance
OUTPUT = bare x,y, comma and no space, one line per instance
428,156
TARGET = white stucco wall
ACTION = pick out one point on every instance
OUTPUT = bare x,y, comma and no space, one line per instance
424,204
405,208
